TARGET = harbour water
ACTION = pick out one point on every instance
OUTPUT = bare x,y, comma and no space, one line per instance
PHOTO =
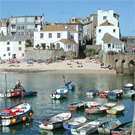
44,106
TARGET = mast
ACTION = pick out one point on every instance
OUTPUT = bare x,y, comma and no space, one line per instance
6,92
64,79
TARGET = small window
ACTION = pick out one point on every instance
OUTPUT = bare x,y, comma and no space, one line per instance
114,30
8,48
72,36
41,35
8,54
20,48
69,47
99,30
50,35
58,35
104,17
22,54
58,46
109,45
19,42
8,43
4,55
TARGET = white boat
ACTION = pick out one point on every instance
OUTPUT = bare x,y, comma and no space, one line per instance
55,121
128,86
129,93
91,104
110,104
116,109
86,128
16,114
107,126
59,93
73,122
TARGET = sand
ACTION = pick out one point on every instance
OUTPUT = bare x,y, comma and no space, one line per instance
76,66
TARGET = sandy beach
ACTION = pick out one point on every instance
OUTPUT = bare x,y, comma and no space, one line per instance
76,66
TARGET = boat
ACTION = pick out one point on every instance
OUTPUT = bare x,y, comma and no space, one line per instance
92,92
59,93
109,104
29,93
86,128
16,114
123,129
104,93
117,93
73,122
77,105
13,92
129,94
116,109
128,86
96,110
55,121
107,126
91,104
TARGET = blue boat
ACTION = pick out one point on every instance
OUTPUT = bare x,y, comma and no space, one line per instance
115,93
92,92
29,93
70,85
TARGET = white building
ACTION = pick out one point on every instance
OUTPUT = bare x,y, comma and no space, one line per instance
107,22
111,43
62,36
12,46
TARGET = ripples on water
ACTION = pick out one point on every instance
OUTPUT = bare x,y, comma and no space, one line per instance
44,106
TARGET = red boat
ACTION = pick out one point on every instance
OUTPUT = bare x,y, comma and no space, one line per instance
104,93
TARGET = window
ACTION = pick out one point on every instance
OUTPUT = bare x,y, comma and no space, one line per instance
50,35
58,35
104,17
13,20
4,55
20,48
19,42
22,27
8,43
30,26
30,19
8,48
58,46
21,20
69,47
99,30
109,45
114,30
41,35
13,26
72,36
8,54
22,54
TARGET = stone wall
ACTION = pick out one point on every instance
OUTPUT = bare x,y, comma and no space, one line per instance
96,47
48,54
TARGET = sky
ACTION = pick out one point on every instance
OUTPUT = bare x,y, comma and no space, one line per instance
63,10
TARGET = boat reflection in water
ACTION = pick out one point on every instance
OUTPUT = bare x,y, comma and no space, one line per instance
20,126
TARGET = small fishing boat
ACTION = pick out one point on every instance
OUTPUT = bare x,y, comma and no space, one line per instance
115,93
29,93
70,85
77,105
55,121
116,109
16,114
96,110
59,93
123,129
110,105
13,92
92,104
107,126
86,128
128,86
104,93
92,92
129,93
73,122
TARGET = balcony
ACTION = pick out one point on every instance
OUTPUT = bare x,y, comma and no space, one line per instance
13,29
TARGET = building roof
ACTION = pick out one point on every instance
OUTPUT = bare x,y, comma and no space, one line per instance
67,41
14,38
58,28
107,38
76,21
106,23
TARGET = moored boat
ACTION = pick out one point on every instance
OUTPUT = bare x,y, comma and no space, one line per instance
55,121
92,92
86,128
117,93
129,93
96,110
116,109
16,114
73,122
92,104
77,105
104,93
70,85
128,86
29,93
123,129
110,104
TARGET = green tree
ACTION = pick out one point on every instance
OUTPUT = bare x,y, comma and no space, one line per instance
43,45
28,43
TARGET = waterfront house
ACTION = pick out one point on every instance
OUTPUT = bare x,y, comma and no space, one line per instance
107,22
3,26
110,43
57,37
12,46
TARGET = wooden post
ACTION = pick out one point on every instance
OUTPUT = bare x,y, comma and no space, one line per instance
133,126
